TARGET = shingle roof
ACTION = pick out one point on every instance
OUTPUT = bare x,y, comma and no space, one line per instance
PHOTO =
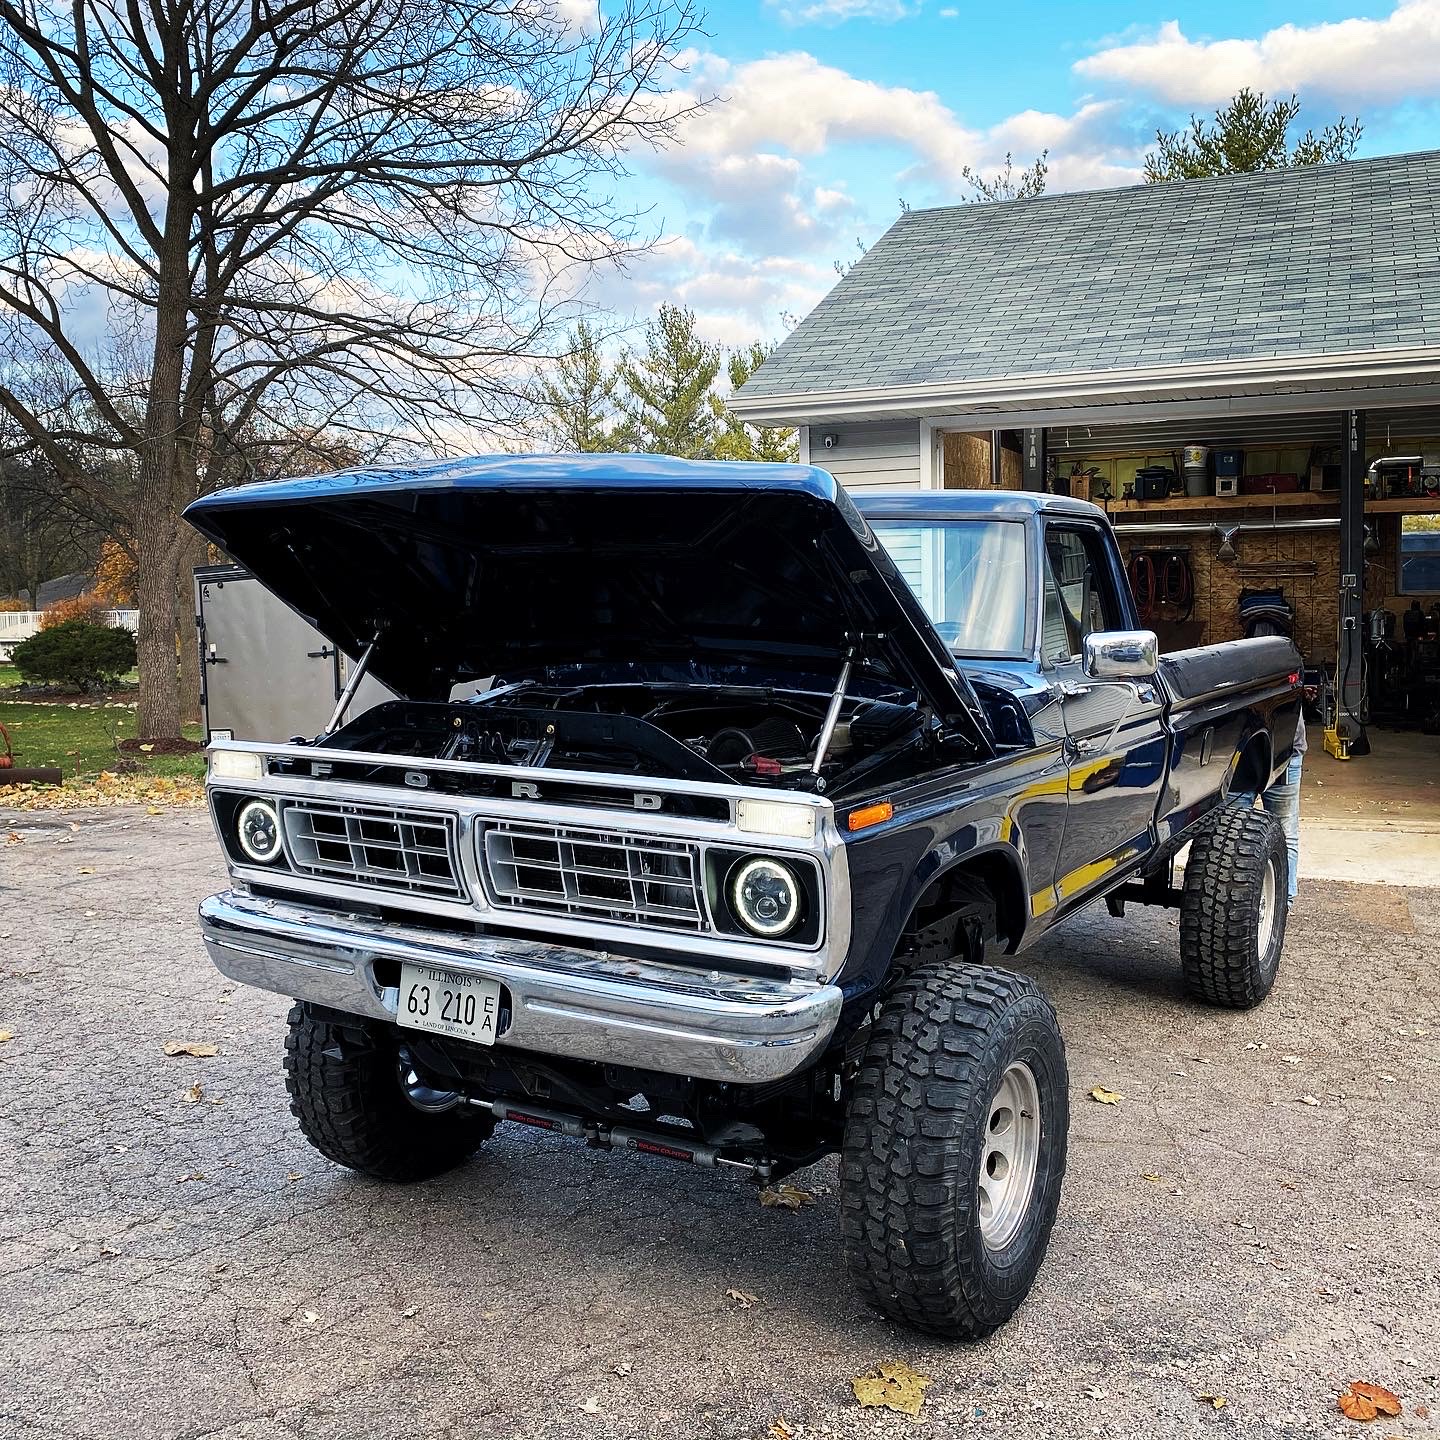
1321,260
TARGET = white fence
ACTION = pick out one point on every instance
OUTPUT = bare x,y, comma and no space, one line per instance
18,625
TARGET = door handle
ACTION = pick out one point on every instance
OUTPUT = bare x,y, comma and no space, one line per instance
1068,689
1085,746
323,653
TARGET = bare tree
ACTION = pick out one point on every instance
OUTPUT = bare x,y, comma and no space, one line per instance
366,213
1008,183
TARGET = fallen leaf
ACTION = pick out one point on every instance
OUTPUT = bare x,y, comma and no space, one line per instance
200,1049
194,1095
293,1176
624,1367
86,870
1357,1407
591,1406
1154,1179
1096,1393
1308,1100
6,1035
107,1253
1106,1097
1421,1412
785,1197
781,1431
409,1314
743,1298
309,1317
147,748
891,1386
196,1175
13,837
1290,1059
1387,1402
1217,1402
153,810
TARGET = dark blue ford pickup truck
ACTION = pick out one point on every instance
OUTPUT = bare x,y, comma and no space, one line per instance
713,805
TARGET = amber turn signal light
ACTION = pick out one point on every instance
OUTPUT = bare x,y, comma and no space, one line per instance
869,815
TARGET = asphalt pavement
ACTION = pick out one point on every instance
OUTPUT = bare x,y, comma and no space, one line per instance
1257,1220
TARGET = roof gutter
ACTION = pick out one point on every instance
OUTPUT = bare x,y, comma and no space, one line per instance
1413,365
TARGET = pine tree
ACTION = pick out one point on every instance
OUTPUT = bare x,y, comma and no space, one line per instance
664,391
578,405
1250,133
734,439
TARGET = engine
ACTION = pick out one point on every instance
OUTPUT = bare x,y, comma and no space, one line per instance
757,738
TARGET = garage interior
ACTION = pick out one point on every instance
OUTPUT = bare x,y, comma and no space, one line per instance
1250,539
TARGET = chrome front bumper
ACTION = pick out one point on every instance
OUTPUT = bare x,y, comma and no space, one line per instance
584,1004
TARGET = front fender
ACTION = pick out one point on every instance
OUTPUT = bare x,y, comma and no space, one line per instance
889,872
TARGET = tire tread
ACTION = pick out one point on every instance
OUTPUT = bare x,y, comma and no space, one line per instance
915,1118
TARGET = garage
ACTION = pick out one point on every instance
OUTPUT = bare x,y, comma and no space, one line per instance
1243,371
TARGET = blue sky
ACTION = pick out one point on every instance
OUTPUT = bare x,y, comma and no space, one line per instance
829,111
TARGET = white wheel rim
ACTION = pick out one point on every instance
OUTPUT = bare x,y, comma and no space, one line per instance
1269,896
1009,1156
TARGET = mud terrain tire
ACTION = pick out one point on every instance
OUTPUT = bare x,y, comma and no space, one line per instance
343,1075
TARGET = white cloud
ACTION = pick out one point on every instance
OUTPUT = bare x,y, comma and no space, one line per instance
1095,148
1355,59
792,106
760,201
836,12
736,298
581,16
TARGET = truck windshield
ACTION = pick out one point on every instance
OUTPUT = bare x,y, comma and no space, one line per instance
970,577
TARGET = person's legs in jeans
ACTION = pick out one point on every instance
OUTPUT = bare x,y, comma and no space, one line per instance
1283,802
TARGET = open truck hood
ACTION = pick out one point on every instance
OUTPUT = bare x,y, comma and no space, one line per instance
641,566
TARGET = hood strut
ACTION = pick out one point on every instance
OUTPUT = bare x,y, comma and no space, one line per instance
351,686
832,714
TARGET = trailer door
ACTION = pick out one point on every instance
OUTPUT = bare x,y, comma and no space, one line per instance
266,673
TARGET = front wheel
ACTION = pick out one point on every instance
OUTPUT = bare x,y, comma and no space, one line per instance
1233,909
955,1149
344,1078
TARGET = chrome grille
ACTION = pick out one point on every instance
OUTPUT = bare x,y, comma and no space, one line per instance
604,874
407,851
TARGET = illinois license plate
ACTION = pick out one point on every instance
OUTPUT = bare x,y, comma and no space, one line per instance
446,1002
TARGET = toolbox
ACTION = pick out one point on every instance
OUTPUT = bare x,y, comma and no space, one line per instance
1154,482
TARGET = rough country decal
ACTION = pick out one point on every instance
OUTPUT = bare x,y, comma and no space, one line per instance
529,790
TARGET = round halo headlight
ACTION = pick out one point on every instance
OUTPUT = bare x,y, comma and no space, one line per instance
257,828
765,896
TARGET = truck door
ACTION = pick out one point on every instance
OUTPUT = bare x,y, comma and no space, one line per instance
1115,736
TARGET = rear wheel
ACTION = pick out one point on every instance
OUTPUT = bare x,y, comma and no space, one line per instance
955,1149
1233,909
344,1075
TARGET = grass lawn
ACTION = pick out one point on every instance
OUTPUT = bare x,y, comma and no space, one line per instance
81,739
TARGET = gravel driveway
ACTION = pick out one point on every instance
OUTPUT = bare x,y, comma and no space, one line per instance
178,1266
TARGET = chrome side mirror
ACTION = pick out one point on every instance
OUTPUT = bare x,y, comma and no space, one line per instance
1121,654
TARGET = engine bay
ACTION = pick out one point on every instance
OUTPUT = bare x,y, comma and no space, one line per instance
743,735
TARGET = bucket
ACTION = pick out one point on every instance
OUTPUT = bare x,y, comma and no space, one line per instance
1195,460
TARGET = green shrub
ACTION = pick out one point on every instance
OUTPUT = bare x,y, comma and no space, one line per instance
77,653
